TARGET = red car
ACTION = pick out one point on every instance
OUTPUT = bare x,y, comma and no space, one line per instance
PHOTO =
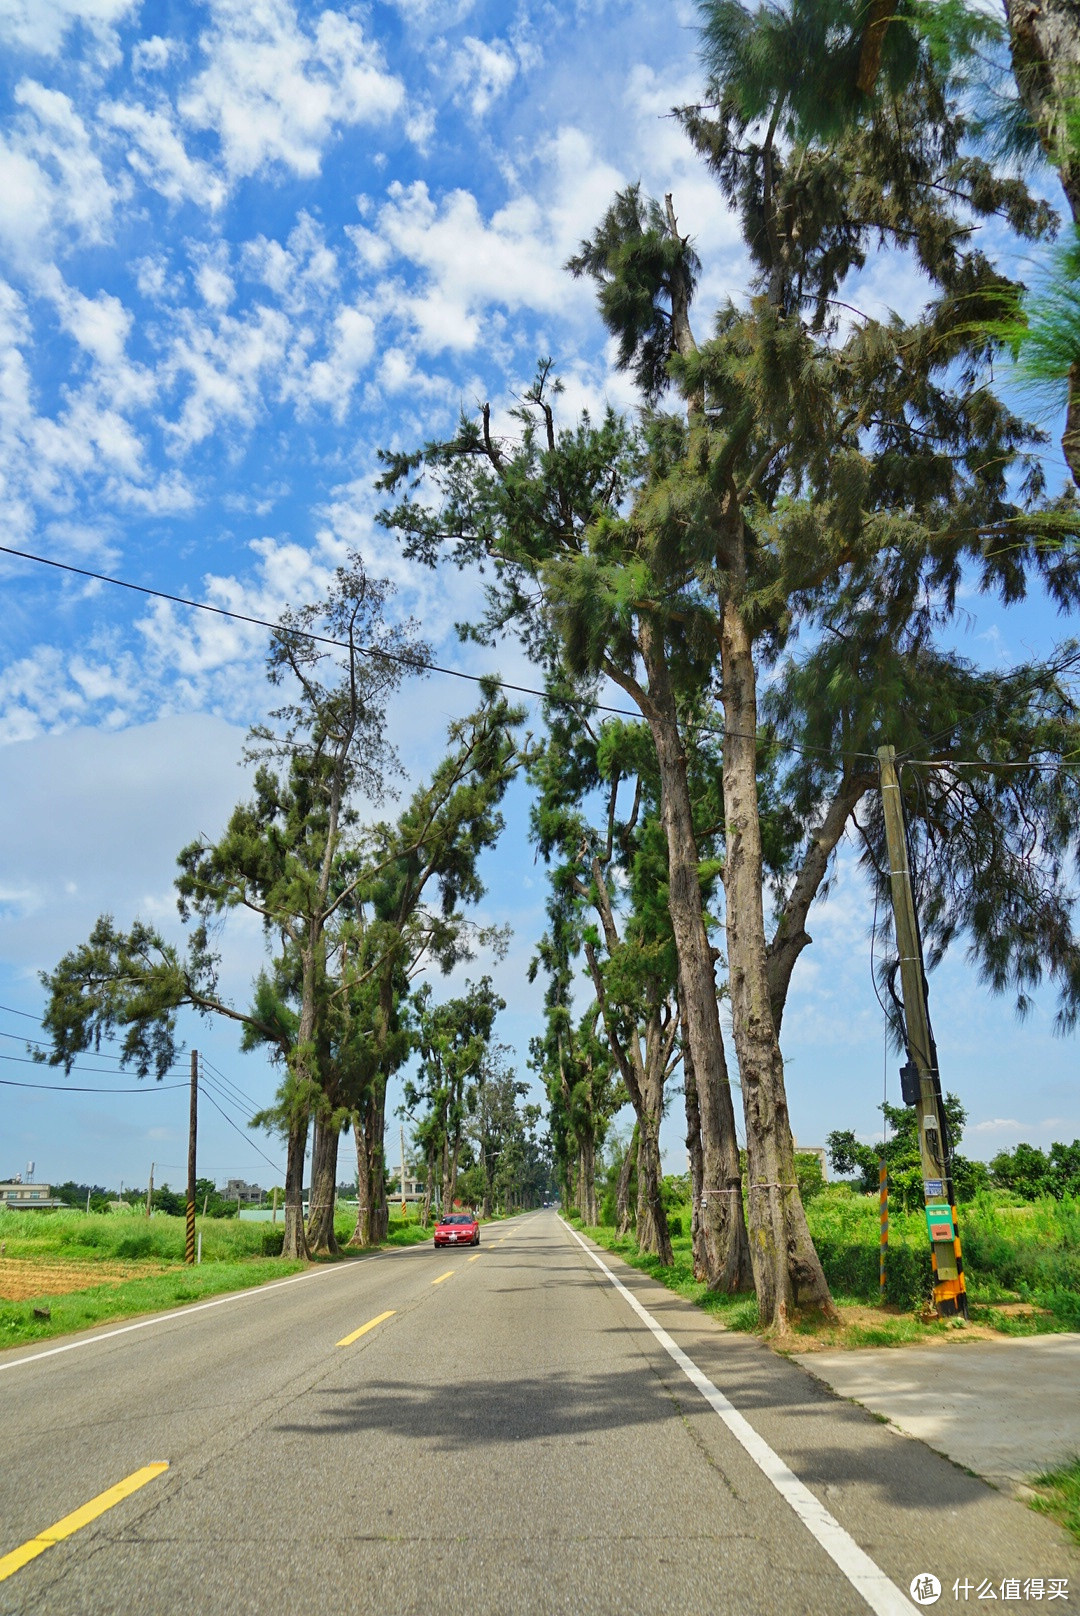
457,1229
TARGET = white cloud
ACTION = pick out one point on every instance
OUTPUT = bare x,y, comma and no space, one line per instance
51,462
205,660
469,264
158,155
153,54
226,366
54,182
482,72
303,273
274,91
42,25
331,381
212,275
420,125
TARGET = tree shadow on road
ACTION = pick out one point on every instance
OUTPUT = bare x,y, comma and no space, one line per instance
483,1413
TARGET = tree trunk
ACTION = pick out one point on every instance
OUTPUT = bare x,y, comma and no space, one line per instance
324,1156
652,1227
429,1187
693,1146
725,1246
587,1181
642,1057
450,1168
787,1272
295,1242
359,1236
374,1138
622,1189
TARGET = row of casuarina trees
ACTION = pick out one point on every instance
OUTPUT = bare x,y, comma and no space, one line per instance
765,565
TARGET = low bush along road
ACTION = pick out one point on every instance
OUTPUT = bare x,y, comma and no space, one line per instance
530,1427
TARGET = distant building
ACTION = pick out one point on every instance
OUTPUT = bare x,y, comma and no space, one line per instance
814,1150
19,1197
414,1188
247,1194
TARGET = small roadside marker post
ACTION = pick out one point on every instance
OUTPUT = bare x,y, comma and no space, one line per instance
920,1081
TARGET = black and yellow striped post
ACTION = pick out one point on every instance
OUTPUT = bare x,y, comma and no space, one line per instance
883,1199
922,1084
193,1129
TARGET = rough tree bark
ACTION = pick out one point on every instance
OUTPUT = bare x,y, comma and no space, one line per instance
643,1071
697,1176
725,1246
787,1271
295,1241
623,1221
324,1156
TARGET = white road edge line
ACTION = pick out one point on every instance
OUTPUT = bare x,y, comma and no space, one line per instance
867,1578
180,1313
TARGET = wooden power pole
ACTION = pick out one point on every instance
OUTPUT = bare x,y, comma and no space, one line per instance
921,1081
193,1128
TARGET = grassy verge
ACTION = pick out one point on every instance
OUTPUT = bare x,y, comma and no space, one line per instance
151,1293
1022,1265
1060,1496
141,1265
736,1312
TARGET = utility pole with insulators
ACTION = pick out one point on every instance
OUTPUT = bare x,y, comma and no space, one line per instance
193,1128
920,1081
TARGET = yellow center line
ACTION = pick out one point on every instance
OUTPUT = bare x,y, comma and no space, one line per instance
78,1518
474,1256
448,1275
348,1340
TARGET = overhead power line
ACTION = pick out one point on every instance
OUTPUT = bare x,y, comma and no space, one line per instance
228,1082
275,1165
418,664
77,1088
98,1071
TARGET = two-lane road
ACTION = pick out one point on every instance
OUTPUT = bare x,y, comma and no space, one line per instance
498,1430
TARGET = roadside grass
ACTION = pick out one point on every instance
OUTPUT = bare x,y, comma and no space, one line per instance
151,1293
141,1265
107,1237
1059,1496
1022,1264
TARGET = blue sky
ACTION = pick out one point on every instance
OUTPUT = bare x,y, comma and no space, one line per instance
244,244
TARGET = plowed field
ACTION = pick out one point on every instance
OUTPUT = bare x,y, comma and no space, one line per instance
22,1278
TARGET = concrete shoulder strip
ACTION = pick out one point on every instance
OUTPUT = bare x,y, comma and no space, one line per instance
867,1578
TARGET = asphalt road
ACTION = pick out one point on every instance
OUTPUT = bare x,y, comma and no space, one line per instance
513,1438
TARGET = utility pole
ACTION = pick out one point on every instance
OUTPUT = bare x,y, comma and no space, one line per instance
193,1128
150,1191
920,1080
404,1207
